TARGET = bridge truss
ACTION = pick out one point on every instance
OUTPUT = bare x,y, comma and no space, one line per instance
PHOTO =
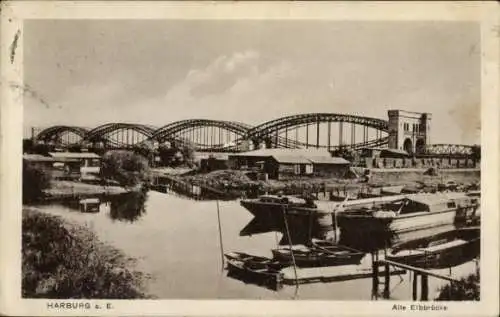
313,130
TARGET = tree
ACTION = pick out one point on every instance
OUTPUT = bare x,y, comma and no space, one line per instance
125,167
145,149
75,148
476,152
188,152
28,146
166,153
466,289
35,180
346,153
179,152
42,148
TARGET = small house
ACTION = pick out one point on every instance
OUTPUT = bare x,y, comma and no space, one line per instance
40,162
284,166
78,164
214,162
328,166
290,163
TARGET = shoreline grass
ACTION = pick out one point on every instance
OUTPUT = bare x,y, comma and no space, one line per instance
64,260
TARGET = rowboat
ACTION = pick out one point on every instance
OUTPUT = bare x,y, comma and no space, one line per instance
254,269
442,250
318,253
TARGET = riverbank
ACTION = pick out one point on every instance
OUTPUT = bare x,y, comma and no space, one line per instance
63,260
77,190
176,240
238,183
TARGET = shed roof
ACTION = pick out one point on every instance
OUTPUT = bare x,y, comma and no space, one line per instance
72,155
295,156
290,159
37,158
328,160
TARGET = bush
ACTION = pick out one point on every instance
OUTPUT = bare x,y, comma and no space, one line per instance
146,149
28,146
35,180
125,167
180,152
467,289
129,206
61,261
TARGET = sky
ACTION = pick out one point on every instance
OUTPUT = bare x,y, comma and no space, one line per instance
86,73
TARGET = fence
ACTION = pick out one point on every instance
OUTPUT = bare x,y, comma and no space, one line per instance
446,162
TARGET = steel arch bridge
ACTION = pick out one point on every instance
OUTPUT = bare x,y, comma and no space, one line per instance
272,131
203,133
449,149
119,135
55,135
315,130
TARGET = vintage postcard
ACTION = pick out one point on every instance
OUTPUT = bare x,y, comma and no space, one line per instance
249,158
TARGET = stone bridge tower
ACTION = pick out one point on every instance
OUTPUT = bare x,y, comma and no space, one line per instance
409,131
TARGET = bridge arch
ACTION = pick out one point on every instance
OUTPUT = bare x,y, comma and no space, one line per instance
271,132
55,132
203,133
118,134
408,146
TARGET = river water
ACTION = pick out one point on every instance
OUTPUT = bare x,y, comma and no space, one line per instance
176,241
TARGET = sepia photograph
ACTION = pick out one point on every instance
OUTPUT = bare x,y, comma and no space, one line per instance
252,159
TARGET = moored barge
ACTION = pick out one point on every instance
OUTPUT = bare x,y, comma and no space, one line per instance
441,250
414,212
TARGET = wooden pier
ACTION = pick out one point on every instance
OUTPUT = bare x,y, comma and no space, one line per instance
417,272
166,183
332,274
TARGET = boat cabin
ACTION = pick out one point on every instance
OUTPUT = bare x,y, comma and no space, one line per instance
422,203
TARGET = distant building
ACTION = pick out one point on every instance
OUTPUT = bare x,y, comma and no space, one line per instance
409,131
40,162
77,164
287,163
383,152
214,162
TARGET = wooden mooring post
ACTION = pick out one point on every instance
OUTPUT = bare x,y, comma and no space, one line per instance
415,286
424,296
375,272
220,237
291,249
387,279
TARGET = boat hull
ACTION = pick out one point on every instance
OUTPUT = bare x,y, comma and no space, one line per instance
399,224
255,270
303,223
457,247
320,253
274,211
316,260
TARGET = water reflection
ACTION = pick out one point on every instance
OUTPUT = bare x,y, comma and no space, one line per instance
128,207
177,241
302,230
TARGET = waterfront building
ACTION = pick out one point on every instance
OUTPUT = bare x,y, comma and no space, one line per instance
40,162
290,163
77,164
